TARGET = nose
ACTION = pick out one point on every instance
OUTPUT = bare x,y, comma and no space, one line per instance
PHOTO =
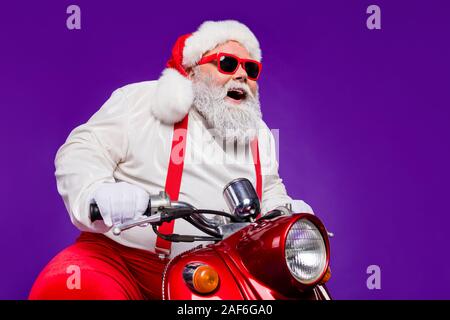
240,74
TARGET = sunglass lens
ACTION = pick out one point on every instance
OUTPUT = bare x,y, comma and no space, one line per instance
252,70
228,64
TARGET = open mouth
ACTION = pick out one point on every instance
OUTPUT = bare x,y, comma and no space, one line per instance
237,94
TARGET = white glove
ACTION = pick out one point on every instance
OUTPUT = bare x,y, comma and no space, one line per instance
120,202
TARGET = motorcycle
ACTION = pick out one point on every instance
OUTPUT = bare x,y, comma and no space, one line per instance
281,255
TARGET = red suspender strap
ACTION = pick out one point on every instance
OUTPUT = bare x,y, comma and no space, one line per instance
175,172
173,179
255,153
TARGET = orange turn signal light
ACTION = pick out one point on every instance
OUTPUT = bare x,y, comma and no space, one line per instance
327,276
205,279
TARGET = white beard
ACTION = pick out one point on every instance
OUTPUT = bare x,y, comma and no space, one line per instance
231,122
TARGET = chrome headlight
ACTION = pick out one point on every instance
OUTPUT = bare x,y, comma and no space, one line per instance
305,252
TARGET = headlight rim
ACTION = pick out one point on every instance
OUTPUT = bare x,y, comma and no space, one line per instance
319,225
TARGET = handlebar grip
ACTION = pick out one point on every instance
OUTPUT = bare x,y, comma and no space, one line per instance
94,212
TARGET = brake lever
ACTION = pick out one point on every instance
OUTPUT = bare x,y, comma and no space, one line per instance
158,218
117,230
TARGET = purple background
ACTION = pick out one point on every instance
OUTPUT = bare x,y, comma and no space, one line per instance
363,118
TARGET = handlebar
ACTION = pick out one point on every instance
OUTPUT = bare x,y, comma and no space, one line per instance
160,209
167,215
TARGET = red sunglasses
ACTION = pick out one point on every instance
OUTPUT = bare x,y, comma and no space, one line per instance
228,64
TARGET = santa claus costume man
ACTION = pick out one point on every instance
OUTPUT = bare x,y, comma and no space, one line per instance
188,133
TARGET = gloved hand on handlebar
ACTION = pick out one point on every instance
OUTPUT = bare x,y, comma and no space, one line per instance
120,202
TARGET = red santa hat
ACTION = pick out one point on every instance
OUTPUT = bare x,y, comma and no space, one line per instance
174,94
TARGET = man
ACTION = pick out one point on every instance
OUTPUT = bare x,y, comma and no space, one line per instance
187,133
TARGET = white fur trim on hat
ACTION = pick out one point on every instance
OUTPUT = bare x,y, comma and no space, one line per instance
212,33
173,97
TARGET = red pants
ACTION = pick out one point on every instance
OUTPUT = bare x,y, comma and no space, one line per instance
96,267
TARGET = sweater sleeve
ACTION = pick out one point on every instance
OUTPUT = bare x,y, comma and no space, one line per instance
89,158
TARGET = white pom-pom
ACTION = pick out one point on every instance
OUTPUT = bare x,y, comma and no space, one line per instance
173,97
